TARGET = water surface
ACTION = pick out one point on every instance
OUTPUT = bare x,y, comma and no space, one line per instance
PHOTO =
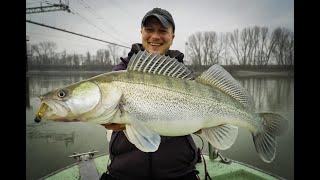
49,144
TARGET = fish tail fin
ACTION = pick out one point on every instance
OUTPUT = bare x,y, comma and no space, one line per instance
272,125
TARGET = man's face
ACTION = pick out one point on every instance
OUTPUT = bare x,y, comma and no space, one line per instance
156,38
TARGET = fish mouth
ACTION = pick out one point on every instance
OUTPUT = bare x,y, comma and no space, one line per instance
54,111
43,108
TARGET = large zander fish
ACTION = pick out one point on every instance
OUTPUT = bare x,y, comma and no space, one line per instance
157,95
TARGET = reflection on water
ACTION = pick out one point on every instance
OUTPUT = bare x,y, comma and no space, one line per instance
42,84
53,141
270,93
32,132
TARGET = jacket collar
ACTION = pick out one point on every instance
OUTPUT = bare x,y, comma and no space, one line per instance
135,48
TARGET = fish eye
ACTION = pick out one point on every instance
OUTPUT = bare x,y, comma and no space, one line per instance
61,93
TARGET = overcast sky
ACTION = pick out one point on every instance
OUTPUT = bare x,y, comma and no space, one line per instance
119,21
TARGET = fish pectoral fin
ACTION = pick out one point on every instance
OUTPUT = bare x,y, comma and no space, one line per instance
143,138
109,133
221,137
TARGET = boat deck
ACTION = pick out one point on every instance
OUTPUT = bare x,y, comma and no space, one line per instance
216,169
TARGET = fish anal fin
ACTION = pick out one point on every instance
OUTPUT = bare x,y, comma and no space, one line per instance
221,137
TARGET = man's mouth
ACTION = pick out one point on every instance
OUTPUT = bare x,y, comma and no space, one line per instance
155,44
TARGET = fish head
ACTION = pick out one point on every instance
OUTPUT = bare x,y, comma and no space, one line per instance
69,103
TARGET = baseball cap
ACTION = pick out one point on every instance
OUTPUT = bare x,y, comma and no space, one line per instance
162,15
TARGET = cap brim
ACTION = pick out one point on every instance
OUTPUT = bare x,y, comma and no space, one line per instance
163,20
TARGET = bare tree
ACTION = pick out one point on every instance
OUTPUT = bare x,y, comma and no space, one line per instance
283,49
290,49
234,44
113,50
100,56
194,48
107,57
209,39
262,54
244,40
45,51
217,49
254,46
254,35
75,60
269,44
212,48
226,58
88,58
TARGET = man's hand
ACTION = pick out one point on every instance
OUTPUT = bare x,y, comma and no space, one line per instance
114,127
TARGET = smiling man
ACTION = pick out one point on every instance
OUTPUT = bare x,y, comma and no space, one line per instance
176,157
157,32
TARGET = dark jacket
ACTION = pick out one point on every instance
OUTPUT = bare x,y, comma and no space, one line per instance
175,157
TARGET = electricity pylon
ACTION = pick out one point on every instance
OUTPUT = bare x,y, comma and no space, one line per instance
52,7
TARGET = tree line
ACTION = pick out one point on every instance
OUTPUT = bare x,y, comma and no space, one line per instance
249,46
44,53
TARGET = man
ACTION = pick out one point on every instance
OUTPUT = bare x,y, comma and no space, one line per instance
176,156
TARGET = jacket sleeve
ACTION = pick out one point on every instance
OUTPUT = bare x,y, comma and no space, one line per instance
122,65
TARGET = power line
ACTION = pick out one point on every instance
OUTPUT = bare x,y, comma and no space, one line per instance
32,22
77,13
80,42
91,10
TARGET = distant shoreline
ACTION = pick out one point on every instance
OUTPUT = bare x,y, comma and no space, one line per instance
241,73
236,73
63,73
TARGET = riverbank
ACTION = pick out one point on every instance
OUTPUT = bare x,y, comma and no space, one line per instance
262,74
235,73
63,73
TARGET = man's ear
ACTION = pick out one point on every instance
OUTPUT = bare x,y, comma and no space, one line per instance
172,38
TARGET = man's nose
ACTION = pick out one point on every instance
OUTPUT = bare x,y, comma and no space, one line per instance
155,35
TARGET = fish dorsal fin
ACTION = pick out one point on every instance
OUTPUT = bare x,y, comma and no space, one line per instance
217,76
158,64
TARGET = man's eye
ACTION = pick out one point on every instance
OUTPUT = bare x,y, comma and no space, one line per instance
149,29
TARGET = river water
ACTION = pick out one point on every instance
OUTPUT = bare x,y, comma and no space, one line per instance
49,144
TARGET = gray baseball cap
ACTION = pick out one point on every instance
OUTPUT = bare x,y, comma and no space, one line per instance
162,15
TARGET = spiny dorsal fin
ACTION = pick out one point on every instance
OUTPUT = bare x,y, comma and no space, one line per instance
158,64
218,77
